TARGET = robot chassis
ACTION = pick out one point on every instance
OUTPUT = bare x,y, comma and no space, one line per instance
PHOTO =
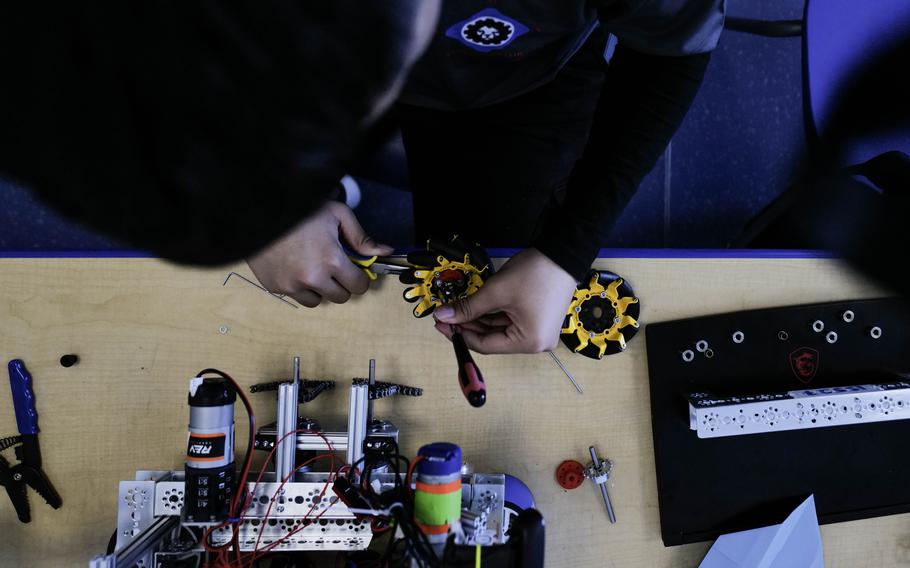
151,526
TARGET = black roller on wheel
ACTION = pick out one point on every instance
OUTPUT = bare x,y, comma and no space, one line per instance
602,317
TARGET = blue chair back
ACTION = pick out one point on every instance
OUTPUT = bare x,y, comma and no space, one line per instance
840,36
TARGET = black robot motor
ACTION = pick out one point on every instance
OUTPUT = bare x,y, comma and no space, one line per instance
209,450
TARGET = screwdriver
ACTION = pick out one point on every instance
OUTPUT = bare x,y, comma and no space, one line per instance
470,378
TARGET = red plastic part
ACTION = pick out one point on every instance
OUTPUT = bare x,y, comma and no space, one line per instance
570,474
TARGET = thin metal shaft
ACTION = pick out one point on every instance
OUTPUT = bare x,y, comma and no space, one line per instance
297,370
272,294
372,376
603,488
566,371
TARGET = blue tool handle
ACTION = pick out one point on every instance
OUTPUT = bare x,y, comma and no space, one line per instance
20,381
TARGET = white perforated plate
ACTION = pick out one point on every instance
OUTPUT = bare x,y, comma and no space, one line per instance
812,408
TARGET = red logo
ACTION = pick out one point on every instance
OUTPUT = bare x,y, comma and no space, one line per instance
804,363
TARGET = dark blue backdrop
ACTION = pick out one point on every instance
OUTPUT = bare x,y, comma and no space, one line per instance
734,154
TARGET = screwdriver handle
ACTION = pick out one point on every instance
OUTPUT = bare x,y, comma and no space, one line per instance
20,382
470,378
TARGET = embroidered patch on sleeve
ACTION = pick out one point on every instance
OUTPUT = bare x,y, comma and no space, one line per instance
487,30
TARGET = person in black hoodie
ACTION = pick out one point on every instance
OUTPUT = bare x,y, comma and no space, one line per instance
207,132
203,130
518,133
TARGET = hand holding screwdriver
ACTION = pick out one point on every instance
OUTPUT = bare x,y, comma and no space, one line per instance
470,379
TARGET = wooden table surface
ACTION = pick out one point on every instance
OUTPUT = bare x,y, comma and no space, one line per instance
142,327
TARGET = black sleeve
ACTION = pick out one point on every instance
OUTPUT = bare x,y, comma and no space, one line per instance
644,100
198,130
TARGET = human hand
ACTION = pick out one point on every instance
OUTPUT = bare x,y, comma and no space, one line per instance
309,264
519,309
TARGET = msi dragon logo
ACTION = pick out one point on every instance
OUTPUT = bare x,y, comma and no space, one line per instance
804,363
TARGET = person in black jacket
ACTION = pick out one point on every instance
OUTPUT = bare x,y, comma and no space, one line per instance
204,131
518,133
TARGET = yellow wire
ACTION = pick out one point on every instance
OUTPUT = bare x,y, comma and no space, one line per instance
477,557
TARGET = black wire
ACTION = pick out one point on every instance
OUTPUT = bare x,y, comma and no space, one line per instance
387,451
417,540
390,547
354,466
397,472
447,551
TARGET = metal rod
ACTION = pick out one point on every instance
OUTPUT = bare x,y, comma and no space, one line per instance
287,423
280,430
357,418
566,371
286,453
272,294
144,544
603,487
372,376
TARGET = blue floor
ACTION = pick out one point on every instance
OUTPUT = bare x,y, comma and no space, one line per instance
734,153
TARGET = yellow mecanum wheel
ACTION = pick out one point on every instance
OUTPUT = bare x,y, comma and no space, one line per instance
444,283
602,316
444,273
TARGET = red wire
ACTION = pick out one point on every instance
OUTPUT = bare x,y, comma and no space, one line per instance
275,447
407,479
254,554
256,549
331,448
281,485
379,530
245,471
221,550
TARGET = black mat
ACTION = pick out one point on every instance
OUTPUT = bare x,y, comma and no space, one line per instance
708,487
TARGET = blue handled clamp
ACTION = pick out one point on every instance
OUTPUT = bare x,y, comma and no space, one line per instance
20,382
28,471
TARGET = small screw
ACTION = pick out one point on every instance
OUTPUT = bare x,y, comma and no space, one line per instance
17,476
617,319
577,309
603,294
223,329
